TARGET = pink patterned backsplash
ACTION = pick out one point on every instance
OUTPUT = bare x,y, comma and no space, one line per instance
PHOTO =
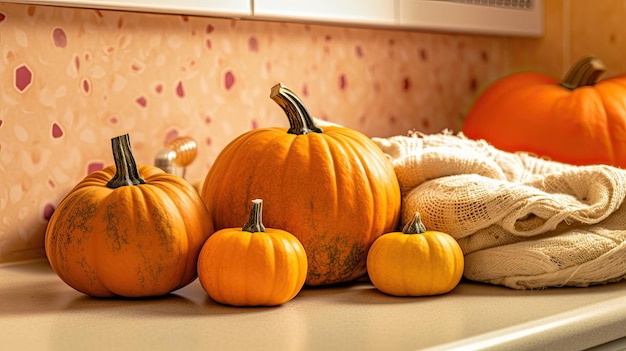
75,78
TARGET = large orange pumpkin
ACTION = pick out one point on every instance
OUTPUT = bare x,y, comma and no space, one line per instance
127,230
579,120
333,189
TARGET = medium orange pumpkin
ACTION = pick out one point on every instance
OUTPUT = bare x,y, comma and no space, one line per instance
333,189
579,120
127,230
253,265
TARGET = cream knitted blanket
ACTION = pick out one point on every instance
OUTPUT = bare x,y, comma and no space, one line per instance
522,222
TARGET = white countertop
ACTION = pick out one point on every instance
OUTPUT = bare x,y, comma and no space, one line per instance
39,312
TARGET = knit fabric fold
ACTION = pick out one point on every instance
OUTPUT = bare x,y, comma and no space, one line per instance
522,221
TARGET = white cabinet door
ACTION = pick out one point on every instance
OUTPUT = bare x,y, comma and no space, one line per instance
487,17
229,8
369,12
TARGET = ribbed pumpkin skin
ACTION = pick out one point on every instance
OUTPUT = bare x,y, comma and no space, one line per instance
335,191
531,112
240,268
131,241
425,264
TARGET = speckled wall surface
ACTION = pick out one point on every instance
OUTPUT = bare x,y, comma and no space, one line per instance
75,78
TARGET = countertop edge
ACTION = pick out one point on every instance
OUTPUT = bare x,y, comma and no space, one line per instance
578,329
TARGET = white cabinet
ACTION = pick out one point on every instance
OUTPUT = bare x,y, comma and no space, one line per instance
365,12
502,17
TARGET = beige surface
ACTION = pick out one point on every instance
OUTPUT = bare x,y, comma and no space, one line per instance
39,312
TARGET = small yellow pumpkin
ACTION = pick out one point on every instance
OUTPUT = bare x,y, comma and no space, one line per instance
415,262
253,265
128,230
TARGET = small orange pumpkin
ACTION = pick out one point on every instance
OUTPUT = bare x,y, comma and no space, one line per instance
579,120
253,265
337,191
127,230
415,262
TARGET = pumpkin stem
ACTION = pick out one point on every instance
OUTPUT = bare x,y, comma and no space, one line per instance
126,172
300,121
586,71
415,225
255,223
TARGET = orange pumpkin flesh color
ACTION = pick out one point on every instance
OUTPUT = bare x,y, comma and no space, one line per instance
253,265
333,189
415,262
127,230
579,120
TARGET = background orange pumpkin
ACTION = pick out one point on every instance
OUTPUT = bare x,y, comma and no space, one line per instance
127,230
579,120
333,189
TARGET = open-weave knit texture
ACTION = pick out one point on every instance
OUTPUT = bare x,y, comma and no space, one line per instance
522,222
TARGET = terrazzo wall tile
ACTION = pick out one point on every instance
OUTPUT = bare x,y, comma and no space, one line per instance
75,78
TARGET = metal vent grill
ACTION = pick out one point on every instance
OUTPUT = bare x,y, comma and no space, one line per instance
512,4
